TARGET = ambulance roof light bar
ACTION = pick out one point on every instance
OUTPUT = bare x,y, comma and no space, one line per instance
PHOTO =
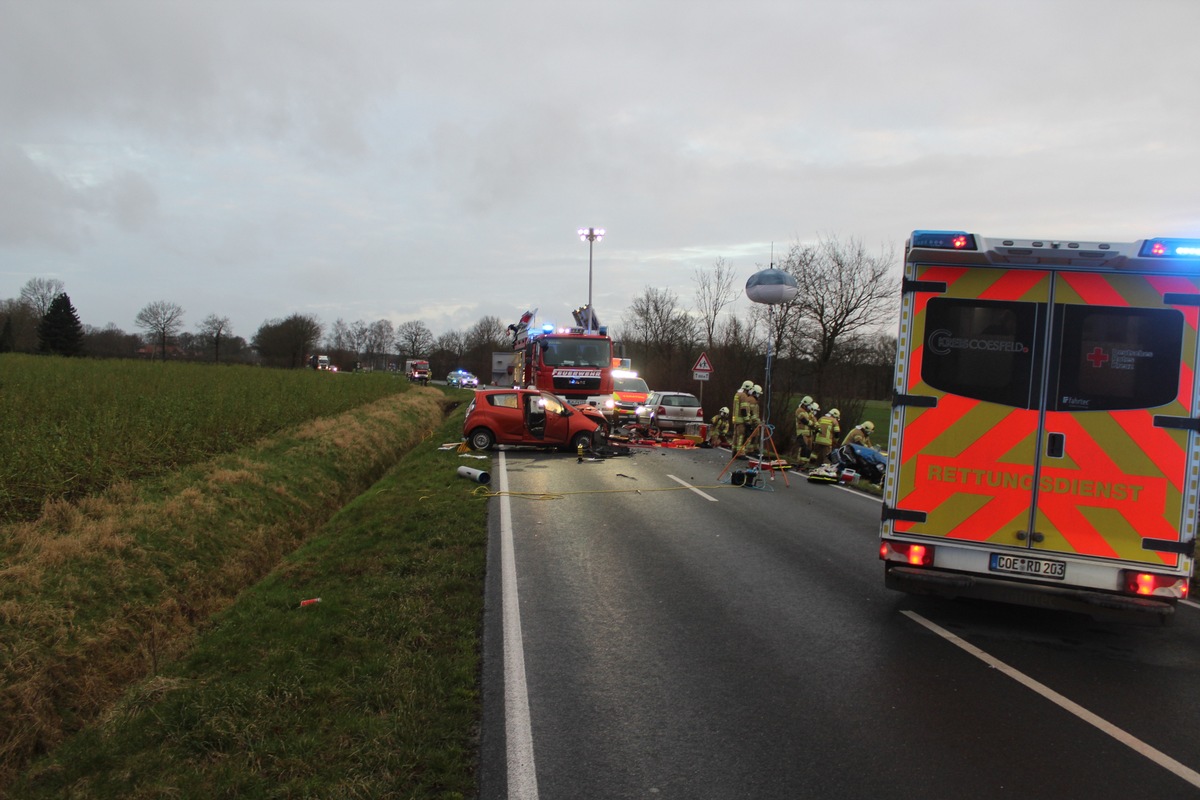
1170,248
944,240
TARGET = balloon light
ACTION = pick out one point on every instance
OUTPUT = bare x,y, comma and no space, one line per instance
772,287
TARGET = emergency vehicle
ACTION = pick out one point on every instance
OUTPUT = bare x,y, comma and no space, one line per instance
574,365
1043,444
629,392
417,370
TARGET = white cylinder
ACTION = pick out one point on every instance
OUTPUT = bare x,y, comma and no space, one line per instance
477,475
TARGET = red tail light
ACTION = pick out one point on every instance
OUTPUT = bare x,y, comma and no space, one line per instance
918,555
1149,583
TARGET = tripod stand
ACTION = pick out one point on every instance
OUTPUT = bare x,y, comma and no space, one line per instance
763,433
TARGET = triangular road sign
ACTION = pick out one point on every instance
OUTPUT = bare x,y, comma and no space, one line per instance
703,364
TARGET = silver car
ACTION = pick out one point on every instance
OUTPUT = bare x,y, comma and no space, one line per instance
670,411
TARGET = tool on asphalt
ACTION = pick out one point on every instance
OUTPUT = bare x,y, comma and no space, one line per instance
477,475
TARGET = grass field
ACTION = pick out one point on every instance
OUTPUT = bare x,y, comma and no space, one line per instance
154,616
74,427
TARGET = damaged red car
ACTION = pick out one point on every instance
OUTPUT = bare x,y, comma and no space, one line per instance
532,418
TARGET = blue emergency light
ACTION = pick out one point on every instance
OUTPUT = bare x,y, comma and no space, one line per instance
944,240
1171,248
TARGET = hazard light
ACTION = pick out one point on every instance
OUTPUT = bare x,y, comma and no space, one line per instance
944,240
1149,583
1171,248
918,555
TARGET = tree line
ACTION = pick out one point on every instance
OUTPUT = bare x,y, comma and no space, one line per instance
832,341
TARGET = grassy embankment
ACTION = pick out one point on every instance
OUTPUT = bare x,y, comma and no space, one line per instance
153,643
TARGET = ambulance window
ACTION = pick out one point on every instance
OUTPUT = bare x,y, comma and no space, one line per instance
980,349
1117,358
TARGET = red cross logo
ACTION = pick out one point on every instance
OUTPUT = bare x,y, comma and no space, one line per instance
1097,357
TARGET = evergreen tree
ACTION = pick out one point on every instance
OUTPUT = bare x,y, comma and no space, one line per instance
6,335
60,332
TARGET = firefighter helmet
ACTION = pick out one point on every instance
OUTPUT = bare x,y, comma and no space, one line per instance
757,390
724,410
816,406
806,401
833,412
868,426
746,386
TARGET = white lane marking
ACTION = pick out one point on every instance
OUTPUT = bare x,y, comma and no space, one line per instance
865,495
1191,603
522,777
1137,745
682,482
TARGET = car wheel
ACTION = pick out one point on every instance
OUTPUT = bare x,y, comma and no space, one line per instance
481,439
582,440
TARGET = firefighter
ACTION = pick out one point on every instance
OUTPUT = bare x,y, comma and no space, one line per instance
860,434
806,422
718,432
752,419
829,430
738,413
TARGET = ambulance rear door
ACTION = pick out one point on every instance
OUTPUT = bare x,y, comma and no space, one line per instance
1043,414
1119,411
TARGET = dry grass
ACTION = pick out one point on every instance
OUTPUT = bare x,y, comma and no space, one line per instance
98,594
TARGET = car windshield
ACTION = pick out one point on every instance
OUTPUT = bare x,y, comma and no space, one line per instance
630,385
576,353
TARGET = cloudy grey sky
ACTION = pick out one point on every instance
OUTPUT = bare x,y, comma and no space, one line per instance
427,160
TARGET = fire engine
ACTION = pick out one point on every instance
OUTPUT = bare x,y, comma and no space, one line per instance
574,364
1043,441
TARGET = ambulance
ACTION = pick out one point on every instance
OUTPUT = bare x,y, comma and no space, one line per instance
1043,442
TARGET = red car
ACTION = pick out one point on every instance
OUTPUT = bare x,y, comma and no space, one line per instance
531,417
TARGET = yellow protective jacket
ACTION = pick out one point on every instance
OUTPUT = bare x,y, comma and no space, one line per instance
750,410
805,422
828,430
857,436
736,406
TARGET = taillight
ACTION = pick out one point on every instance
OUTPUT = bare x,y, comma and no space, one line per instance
918,555
1149,583
662,411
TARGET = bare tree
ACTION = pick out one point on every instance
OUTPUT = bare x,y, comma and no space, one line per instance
339,336
360,332
212,330
380,337
161,320
714,292
663,333
414,339
39,293
845,292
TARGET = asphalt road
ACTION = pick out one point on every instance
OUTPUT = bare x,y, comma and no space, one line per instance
644,639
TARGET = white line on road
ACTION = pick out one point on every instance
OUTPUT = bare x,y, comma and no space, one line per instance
1137,745
1191,603
522,777
864,495
693,488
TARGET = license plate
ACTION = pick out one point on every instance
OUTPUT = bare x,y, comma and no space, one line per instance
1024,565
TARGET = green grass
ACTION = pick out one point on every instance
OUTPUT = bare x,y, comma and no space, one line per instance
101,593
372,693
74,427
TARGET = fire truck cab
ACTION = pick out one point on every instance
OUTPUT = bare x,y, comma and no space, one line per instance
1043,442
575,365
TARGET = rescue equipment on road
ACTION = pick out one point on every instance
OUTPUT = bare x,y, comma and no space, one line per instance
1044,426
